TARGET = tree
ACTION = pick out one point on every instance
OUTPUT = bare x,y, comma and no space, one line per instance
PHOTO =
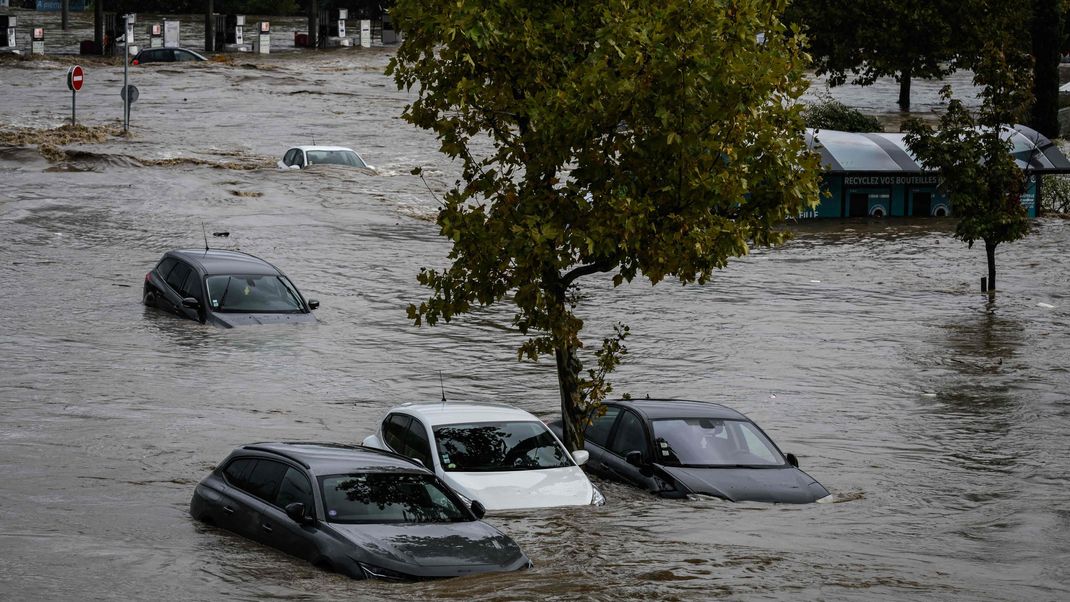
973,155
1046,35
601,137
904,39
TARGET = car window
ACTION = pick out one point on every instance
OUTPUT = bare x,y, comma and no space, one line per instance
190,288
295,487
629,436
291,155
237,472
165,266
176,279
299,158
598,431
394,428
253,294
498,446
416,443
334,157
388,498
265,478
182,55
713,442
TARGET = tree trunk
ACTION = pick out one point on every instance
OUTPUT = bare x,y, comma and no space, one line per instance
990,253
568,380
904,88
98,24
1044,116
209,28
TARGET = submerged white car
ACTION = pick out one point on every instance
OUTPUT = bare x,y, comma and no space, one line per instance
300,157
501,456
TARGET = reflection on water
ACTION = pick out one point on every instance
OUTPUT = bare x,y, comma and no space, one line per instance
862,346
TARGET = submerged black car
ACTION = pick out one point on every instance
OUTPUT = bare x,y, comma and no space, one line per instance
676,447
225,288
362,512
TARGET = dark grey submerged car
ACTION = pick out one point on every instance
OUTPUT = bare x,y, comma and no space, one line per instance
225,288
676,447
362,512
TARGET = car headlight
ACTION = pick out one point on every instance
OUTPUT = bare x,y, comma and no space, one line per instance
597,499
377,572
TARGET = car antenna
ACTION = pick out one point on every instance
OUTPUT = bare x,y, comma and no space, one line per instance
313,140
205,233
442,386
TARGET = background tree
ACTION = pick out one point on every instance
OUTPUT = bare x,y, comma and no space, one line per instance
972,155
1046,37
904,39
601,137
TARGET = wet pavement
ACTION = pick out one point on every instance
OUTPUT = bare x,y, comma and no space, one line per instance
939,420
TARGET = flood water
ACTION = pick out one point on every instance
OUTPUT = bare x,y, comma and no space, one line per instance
939,420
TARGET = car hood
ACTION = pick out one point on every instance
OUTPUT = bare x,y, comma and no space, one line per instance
785,485
229,320
567,486
474,544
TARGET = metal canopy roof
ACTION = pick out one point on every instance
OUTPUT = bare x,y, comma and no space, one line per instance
849,152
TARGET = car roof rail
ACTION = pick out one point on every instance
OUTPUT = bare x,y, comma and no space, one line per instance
277,452
394,454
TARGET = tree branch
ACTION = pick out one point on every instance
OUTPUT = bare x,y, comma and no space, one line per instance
585,270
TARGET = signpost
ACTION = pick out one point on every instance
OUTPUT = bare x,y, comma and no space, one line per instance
75,76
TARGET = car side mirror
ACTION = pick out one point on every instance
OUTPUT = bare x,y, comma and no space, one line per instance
296,512
581,456
313,304
792,460
635,458
191,303
478,509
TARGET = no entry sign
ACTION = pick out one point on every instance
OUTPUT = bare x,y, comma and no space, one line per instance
75,76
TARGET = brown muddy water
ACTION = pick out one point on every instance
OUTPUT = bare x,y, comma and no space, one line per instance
939,420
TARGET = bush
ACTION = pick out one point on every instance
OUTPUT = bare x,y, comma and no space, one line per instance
831,114
1055,194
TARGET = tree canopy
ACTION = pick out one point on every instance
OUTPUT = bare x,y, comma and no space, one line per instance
864,41
601,137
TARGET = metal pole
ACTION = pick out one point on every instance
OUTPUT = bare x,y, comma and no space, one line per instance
74,95
126,69
66,8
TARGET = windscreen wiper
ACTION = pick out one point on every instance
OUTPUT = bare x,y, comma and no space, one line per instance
225,289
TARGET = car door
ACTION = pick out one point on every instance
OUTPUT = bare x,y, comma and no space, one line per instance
281,531
596,438
418,444
629,435
176,282
235,511
256,498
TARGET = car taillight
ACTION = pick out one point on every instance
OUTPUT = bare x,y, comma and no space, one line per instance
148,276
135,62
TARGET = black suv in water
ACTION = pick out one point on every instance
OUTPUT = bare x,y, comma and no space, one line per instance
226,288
363,512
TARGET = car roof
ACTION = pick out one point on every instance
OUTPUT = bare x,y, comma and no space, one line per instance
433,414
162,49
334,458
325,148
655,409
219,261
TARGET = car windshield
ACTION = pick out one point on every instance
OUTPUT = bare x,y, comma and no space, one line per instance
498,446
334,157
712,442
253,294
388,498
